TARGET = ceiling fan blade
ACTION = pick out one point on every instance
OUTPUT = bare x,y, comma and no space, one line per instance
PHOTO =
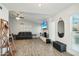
22,17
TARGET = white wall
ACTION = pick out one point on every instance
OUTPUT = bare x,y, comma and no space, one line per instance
22,27
65,15
16,26
4,13
51,29
36,29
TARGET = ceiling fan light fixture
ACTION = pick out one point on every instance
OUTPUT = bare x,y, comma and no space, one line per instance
17,18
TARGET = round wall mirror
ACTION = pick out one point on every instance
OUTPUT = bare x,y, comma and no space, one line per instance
61,28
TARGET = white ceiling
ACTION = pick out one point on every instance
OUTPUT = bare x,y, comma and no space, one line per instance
32,12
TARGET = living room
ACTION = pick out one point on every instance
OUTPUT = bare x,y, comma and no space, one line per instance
42,27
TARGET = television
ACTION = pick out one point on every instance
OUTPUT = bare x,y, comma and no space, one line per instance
44,24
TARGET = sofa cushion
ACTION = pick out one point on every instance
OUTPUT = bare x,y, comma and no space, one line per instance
24,35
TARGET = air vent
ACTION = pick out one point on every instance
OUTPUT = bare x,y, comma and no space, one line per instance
0,8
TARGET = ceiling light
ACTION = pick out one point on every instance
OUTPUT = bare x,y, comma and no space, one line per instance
39,5
17,18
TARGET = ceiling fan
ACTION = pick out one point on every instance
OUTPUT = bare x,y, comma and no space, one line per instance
19,15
